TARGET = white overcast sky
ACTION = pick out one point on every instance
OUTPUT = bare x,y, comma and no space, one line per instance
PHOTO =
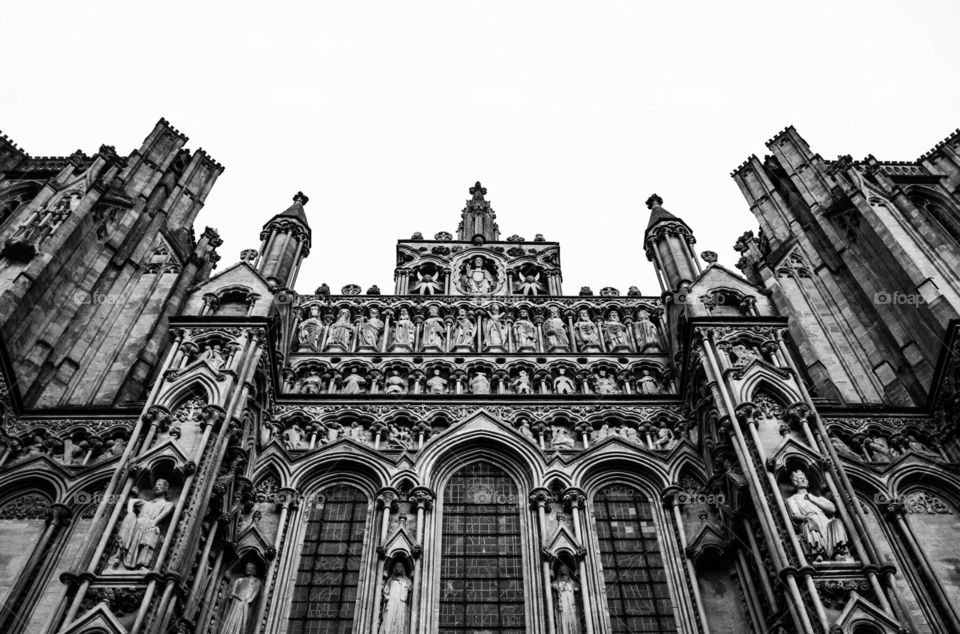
571,114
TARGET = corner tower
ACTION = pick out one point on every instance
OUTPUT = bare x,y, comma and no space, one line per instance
669,245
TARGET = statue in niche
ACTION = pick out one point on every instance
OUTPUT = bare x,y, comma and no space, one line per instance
616,333
395,384
631,435
434,331
823,536
213,356
311,383
293,437
911,443
480,384
742,355
525,430
645,333
842,448
403,331
585,333
522,384
563,384
396,596
555,332
530,285
476,279
665,439
426,284
524,332
464,333
648,384
566,589
341,332
494,330
371,330
561,439
353,383
357,432
436,384
605,384
310,330
139,533
243,593
605,431
878,448
400,437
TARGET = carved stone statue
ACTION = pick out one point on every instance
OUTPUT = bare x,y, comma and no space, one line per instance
645,333
426,284
480,384
665,439
476,279
464,333
341,332
494,330
311,383
242,595
823,536
353,383
566,589
213,356
530,285
371,330
522,384
139,533
843,449
293,437
605,431
605,384
396,594
561,439
615,332
647,384
395,384
585,333
357,432
525,430
436,384
563,384
403,332
310,331
434,330
555,332
879,449
524,332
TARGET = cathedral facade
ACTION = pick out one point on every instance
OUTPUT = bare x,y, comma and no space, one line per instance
193,449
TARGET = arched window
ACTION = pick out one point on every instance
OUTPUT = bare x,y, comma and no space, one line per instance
325,595
637,593
481,573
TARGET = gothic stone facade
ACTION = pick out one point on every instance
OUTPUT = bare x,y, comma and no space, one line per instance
769,450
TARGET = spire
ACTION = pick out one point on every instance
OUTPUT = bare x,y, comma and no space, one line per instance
657,212
295,210
478,219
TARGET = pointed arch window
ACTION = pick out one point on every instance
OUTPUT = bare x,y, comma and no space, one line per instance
325,594
481,573
638,597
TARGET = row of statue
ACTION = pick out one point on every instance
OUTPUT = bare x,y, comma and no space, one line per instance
479,382
490,330
876,448
397,436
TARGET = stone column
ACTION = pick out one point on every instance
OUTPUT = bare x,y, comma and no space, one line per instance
540,501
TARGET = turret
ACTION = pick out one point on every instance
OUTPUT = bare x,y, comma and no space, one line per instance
477,218
285,242
669,245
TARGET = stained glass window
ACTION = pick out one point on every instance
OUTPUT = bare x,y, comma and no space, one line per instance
481,571
325,594
636,584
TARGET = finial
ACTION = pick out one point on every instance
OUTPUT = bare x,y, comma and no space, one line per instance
478,190
710,257
654,201
301,198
